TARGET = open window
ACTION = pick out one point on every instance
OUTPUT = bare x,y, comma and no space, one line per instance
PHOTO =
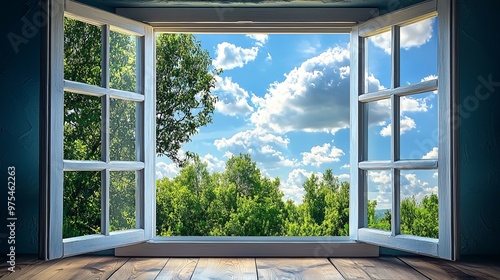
102,133
119,164
391,172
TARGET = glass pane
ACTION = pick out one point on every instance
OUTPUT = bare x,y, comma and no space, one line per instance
419,202
379,129
378,62
419,126
122,130
418,43
122,194
82,203
82,52
379,199
122,63
82,127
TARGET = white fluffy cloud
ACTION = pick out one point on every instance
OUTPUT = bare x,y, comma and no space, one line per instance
230,56
344,177
412,104
379,188
265,148
313,97
292,186
413,185
346,166
322,154
260,39
233,100
166,170
413,35
406,124
433,154
213,163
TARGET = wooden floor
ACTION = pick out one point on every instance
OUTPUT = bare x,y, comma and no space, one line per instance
108,267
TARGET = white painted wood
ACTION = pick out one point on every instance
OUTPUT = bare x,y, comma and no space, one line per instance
449,130
105,185
95,16
95,165
357,212
248,14
410,243
149,134
99,242
56,122
105,126
126,165
400,17
159,247
88,165
425,86
125,95
395,132
81,88
400,164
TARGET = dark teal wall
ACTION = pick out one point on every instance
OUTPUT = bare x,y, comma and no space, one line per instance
19,119
480,126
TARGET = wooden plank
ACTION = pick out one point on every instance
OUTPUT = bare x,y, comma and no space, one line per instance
376,268
290,268
140,268
225,268
348,269
435,268
26,270
479,268
178,269
82,267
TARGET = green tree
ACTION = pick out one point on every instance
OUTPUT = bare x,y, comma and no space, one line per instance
184,78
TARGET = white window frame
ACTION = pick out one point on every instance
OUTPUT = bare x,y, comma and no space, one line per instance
145,132
446,245
206,20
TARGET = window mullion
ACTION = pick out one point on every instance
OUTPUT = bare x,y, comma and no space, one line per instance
395,139
105,119
139,138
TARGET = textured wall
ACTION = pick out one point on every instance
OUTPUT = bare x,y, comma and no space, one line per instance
480,126
19,119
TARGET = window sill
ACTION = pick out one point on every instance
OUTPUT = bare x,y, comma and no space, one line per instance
249,247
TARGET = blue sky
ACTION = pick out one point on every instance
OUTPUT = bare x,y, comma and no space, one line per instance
284,99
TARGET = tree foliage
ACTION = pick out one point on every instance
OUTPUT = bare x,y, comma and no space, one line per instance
183,84
242,202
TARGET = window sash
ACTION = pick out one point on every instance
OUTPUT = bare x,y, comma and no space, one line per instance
144,132
444,246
